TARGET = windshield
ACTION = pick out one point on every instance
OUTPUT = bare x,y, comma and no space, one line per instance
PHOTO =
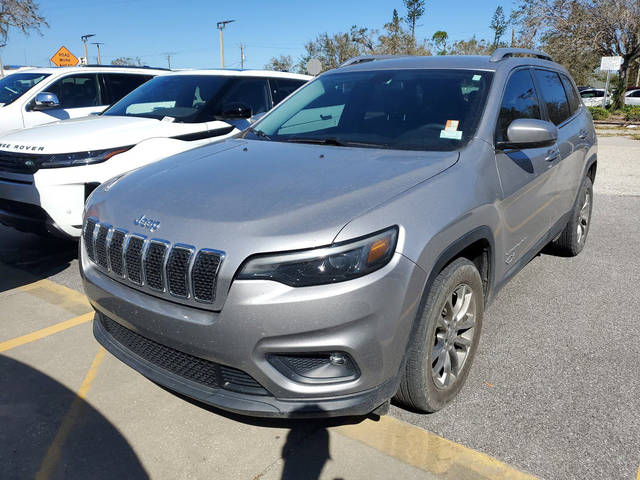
181,98
15,85
399,109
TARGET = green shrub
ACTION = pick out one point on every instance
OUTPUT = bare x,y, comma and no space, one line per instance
632,114
599,113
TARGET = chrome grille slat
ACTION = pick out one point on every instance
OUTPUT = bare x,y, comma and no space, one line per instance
133,258
101,254
178,270
116,252
89,227
154,264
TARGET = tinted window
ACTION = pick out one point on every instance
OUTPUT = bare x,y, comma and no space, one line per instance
253,92
400,109
15,85
519,101
553,95
120,84
635,94
76,91
281,88
572,95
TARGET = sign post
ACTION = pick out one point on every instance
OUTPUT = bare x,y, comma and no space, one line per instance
64,58
609,64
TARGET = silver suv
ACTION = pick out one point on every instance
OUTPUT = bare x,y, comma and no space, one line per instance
342,251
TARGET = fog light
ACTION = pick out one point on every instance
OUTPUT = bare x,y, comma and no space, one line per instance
336,359
330,367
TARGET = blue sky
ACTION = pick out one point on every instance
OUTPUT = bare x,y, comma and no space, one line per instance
151,28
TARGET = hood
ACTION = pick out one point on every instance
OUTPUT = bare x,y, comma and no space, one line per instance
244,196
96,133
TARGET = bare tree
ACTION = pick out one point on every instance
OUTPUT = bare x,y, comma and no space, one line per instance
582,27
395,40
415,11
283,63
330,50
473,46
498,25
127,61
21,14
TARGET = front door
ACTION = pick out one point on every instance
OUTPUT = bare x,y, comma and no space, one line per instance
79,96
525,174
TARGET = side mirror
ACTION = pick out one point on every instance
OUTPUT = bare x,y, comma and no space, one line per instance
235,110
530,133
45,100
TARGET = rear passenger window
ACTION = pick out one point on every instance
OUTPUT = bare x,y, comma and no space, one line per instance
519,101
553,95
281,88
572,95
121,84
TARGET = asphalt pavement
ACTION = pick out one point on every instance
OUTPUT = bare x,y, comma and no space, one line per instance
554,389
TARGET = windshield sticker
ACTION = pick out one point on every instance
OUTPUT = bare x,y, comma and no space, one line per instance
451,134
452,125
476,78
168,119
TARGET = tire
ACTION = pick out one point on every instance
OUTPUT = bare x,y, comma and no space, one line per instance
425,385
574,236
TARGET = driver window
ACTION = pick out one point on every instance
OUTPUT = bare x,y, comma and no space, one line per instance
77,91
519,101
253,92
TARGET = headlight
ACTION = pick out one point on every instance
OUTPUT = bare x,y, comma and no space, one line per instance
336,263
79,158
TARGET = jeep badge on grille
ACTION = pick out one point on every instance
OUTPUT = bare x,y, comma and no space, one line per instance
146,222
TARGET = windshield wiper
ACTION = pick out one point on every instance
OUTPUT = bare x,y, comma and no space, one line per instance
334,141
259,133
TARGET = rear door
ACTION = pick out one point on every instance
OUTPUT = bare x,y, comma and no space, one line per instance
564,111
525,173
80,95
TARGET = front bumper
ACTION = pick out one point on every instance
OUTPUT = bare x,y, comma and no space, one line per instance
367,318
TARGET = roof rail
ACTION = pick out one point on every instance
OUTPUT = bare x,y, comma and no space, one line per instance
367,58
502,53
147,67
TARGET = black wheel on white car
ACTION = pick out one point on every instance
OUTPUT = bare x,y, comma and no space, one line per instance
442,350
574,236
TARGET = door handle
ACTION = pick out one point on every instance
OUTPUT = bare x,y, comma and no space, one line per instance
583,134
552,155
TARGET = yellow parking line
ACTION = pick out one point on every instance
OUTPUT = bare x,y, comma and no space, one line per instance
638,474
45,332
55,449
429,452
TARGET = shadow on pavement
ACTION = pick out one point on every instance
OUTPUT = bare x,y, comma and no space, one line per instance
306,449
32,408
31,257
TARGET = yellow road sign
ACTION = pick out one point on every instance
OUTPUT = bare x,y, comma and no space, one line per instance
64,58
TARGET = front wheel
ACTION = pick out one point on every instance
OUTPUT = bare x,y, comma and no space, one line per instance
442,350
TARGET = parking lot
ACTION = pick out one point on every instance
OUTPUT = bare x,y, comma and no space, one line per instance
554,391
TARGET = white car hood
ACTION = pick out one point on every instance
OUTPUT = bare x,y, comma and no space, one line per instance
97,133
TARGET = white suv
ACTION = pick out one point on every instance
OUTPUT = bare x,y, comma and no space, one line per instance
43,95
47,172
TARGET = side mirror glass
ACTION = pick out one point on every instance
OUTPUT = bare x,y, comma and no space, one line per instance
530,133
235,110
45,100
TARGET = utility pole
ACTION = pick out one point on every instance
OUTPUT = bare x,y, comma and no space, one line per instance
2,66
221,26
97,44
241,56
169,60
84,39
